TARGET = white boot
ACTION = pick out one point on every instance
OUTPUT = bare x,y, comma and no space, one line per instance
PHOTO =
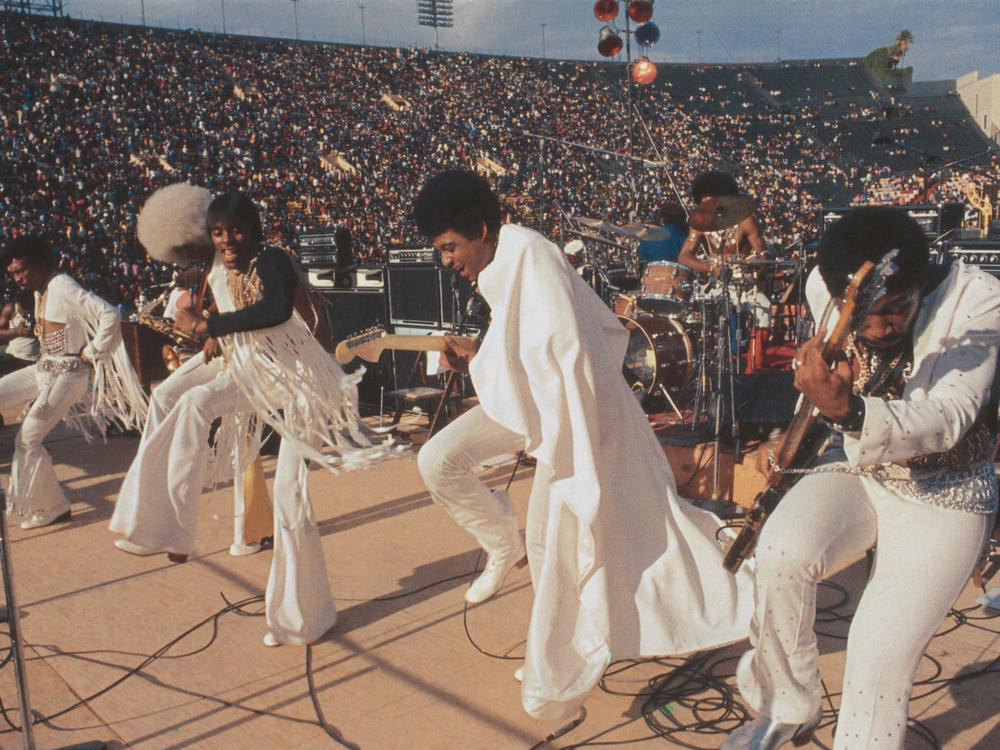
498,565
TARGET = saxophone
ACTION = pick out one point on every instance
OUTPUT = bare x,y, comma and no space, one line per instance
184,346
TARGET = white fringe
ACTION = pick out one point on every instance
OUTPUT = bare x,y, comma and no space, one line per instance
115,394
298,388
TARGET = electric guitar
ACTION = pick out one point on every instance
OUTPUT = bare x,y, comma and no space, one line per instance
370,344
801,443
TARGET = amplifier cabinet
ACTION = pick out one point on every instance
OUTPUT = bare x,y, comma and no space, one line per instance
414,294
982,253
423,294
350,311
934,218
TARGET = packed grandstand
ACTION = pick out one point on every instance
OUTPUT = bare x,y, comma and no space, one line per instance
95,116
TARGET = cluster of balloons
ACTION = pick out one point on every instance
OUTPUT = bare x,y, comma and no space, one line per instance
646,33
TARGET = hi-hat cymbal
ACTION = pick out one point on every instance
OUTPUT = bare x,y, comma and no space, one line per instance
723,212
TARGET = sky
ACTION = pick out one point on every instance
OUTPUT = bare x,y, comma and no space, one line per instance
950,38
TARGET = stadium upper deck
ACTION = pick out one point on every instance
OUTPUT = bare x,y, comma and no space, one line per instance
95,116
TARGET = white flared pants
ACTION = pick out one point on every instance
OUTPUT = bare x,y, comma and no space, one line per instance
33,486
925,554
158,503
448,463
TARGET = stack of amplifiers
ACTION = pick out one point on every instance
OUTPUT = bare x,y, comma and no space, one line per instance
423,297
423,293
934,218
317,248
982,253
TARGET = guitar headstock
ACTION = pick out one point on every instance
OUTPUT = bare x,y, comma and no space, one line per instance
869,288
367,345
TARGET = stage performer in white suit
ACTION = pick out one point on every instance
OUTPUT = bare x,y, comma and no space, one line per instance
168,468
83,361
913,412
620,565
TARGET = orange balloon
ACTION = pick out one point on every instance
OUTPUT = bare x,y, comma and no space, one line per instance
644,71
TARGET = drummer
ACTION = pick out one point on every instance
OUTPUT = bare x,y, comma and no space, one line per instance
674,220
723,231
708,245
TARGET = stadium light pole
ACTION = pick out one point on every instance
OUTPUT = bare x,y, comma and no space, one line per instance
295,10
223,4
435,13
363,40
142,10
543,39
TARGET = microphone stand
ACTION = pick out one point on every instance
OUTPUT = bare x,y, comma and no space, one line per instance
458,315
13,617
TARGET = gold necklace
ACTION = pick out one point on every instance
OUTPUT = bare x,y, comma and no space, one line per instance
243,286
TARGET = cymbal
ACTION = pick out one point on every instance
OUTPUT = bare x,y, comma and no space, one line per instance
759,260
643,232
589,222
723,212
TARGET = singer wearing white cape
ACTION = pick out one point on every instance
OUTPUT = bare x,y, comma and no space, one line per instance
621,566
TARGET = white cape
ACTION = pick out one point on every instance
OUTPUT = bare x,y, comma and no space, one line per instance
620,564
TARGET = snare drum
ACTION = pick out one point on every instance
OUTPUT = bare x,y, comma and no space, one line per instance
666,287
659,353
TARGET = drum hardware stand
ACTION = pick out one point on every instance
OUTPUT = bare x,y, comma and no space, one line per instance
666,395
701,390
638,160
659,156
13,618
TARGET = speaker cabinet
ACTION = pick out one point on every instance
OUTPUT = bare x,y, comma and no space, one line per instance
350,311
414,294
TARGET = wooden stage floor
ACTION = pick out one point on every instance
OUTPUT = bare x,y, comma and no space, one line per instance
142,653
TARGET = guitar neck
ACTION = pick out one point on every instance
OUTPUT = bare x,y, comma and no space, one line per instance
418,343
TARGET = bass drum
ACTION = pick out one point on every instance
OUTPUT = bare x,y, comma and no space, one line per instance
659,354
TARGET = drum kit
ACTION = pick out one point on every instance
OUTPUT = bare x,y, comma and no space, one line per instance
687,336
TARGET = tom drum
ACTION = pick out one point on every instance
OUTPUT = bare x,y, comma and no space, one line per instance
666,287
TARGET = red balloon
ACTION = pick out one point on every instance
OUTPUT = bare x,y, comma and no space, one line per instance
640,11
644,71
606,10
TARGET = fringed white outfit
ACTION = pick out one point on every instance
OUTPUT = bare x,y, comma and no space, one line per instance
928,527
157,504
59,381
298,388
620,564
294,385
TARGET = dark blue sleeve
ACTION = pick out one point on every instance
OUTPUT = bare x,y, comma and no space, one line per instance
278,284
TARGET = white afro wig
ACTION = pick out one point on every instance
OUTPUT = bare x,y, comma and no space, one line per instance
173,217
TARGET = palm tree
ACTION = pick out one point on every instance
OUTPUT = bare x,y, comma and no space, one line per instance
898,49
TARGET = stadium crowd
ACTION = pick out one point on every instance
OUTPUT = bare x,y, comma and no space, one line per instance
96,116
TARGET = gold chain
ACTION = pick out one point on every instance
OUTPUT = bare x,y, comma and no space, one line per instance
244,287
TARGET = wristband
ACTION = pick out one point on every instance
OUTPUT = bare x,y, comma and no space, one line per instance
852,421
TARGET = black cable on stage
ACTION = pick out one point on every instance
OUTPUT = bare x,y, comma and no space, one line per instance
235,607
331,731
